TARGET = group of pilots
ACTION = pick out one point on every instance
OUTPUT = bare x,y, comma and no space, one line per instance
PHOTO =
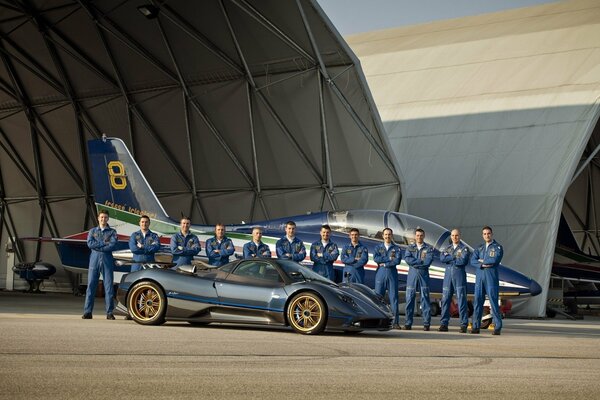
323,253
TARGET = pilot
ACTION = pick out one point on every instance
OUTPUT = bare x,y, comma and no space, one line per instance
290,247
387,256
456,256
143,244
101,240
486,259
418,256
184,244
354,256
256,248
323,254
219,247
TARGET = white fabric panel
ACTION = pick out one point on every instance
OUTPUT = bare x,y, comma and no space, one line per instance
488,117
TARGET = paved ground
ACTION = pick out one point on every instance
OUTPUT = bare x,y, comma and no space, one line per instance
48,352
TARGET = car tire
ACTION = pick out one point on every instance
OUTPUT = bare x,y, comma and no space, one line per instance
147,303
307,314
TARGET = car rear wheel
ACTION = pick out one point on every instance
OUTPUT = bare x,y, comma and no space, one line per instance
147,303
307,314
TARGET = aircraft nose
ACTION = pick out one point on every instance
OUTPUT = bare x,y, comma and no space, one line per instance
535,288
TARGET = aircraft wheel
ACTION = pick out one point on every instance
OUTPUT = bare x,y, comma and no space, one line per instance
307,314
485,322
147,303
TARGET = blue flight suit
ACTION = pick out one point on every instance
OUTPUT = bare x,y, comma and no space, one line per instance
296,249
455,280
225,247
418,273
323,264
101,242
190,246
486,279
355,258
145,254
386,277
251,250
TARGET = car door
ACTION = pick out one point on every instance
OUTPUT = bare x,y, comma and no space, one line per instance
253,285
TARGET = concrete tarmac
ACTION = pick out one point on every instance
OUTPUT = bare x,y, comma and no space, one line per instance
48,352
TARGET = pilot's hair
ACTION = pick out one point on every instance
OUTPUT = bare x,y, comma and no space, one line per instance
387,229
292,223
103,212
419,230
257,228
488,228
185,217
326,227
354,230
219,224
145,217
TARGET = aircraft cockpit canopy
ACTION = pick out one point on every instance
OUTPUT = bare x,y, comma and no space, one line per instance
371,223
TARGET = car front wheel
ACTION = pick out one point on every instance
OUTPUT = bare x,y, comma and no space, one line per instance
147,303
307,314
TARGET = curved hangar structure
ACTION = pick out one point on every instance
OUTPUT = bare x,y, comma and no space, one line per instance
494,121
234,109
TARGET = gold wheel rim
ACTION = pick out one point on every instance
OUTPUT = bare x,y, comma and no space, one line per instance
145,303
305,313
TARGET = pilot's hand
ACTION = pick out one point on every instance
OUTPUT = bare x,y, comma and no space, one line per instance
217,251
319,254
480,260
288,255
179,248
139,245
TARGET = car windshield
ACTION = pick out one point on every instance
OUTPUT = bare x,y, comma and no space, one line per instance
299,273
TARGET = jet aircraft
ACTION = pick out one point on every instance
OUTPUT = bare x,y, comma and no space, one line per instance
121,189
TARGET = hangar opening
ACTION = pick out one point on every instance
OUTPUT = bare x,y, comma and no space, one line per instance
236,110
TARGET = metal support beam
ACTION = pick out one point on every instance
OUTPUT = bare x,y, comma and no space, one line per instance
325,147
265,22
585,163
185,97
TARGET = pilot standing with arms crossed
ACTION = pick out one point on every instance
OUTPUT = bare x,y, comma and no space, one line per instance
323,254
290,247
184,244
354,256
456,256
387,256
256,248
219,247
143,244
418,256
486,259
101,240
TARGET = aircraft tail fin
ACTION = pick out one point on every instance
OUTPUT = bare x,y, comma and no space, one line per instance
119,183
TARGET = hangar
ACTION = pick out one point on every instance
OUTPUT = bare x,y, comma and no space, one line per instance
234,109
493,120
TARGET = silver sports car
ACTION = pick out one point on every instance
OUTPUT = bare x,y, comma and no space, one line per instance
255,291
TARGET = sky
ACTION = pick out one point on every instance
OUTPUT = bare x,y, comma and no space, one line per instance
357,16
